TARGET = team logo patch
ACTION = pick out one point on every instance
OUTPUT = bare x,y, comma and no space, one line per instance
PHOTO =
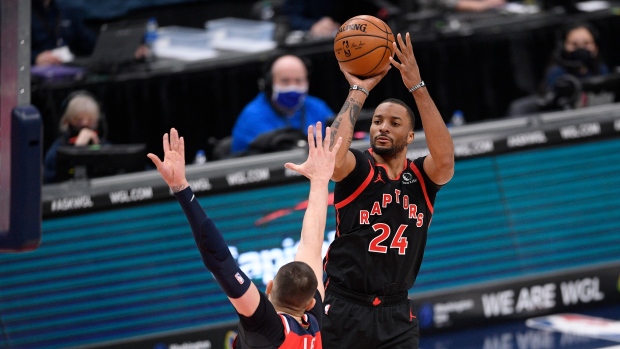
327,306
408,178
583,325
239,278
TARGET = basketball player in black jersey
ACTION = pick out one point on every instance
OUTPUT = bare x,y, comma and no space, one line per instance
384,206
288,316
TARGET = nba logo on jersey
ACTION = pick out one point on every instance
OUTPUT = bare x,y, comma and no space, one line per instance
583,325
239,278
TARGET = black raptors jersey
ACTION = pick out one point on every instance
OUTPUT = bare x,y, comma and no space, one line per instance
382,226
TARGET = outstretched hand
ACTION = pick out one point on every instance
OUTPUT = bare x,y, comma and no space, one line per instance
408,65
172,169
320,162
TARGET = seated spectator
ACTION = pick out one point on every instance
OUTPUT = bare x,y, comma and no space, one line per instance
279,115
54,27
322,18
576,57
81,124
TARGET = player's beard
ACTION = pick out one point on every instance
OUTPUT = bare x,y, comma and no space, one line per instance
388,152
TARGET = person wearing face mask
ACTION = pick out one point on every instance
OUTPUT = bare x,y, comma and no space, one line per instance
576,57
80,125
281,112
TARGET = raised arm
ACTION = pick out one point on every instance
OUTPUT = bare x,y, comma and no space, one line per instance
318,168
439,165
216,256
344,124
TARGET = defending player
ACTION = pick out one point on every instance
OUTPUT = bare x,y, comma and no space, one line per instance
384,205
289,314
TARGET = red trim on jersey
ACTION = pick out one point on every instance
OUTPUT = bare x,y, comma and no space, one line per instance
359,189
287,329
337,222
295,338
386,168
326,261
421,179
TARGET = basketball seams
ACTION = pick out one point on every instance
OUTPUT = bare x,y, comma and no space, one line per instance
370,60
362,55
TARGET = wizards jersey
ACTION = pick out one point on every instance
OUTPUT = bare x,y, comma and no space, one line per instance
268,329
382,226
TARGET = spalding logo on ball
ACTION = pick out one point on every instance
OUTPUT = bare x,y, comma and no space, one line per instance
363,46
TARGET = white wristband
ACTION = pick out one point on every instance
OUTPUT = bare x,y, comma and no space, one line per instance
359,88
418,86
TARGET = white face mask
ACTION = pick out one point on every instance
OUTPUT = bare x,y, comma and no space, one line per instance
289,97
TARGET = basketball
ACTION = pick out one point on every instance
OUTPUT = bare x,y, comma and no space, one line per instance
363,46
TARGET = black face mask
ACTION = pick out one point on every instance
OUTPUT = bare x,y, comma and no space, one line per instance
72,133
575,60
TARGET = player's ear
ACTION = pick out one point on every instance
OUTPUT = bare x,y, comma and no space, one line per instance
269,287
311,304
410,137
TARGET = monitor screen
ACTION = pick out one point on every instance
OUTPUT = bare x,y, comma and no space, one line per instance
99,160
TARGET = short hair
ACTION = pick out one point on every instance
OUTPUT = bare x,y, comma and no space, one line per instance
404,105
294,285
78,103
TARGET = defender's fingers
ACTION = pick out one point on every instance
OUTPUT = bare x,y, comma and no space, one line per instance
182,147
174,139
155,159
166,142
311,137
337,145
328,138
319,134
292,166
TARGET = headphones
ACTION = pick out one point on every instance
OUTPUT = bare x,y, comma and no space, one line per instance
265,83
102,125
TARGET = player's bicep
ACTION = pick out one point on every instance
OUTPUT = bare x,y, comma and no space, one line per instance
344,166
246,304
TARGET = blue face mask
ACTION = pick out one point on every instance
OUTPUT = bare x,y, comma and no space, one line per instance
289,97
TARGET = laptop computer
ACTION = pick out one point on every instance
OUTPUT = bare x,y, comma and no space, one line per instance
115,47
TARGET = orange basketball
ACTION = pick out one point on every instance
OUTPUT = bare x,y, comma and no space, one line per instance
363,45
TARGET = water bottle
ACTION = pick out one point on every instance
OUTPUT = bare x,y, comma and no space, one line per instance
457,118
200,158
151,36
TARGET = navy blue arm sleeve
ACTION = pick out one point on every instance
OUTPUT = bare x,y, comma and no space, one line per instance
213,249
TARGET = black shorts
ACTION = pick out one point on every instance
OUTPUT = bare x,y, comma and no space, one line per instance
350,321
